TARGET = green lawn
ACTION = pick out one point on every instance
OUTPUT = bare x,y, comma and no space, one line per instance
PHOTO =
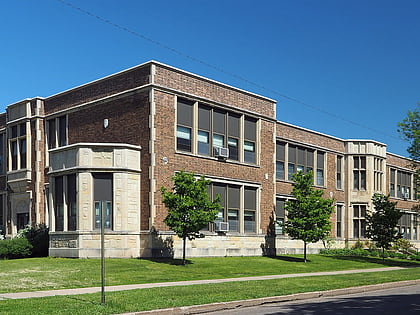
57,273
148,299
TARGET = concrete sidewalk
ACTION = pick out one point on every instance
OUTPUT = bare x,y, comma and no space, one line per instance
37,294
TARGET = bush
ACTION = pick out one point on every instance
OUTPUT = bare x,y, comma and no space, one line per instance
38,237
345,252
15,248
415,257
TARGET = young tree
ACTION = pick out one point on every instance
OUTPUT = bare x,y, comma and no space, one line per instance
309,215
381,223
189,206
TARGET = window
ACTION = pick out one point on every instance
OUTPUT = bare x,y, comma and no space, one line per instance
280,158
359,221
22,220
57,132
184,125
392,183
232,211
320,168
213,128
407,226
103,197
250,208
280,216
291,166
250,132
59,204
71,202
2,154
233,136
359,173
339,175
401,184
18,147
339,219
377,174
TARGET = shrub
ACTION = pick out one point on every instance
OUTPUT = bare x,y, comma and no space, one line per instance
415,257
345,252
15,248
38,237
358,245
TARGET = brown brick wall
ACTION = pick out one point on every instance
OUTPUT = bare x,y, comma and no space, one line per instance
117,83
128,123
165,147
304,136
211,90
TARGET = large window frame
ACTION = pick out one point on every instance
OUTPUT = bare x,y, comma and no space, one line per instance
239,207
359,220
203,130
359,173
57,132
401,184
18,146
291,158
65,202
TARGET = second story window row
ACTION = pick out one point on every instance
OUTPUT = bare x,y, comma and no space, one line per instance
208,131
297,158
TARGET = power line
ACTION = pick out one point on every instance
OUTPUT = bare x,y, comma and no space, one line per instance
234,75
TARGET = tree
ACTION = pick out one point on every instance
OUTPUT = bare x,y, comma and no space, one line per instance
189,206
308,216
409,130
381,223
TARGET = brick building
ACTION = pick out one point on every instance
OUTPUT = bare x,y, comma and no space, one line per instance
115,141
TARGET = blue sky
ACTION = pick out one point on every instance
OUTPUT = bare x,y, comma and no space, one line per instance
350,69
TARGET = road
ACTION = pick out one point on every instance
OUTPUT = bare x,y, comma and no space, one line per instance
403,300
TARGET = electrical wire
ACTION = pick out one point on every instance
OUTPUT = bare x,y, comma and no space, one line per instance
219,69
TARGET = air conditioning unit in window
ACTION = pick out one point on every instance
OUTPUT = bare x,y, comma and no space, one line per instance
406,195
221,226
221,152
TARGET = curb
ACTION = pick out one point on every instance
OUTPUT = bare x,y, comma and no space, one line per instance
206,308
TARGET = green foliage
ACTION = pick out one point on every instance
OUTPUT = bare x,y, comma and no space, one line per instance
358,245
409,130
189,206
38,237
308,216
381,224
15,248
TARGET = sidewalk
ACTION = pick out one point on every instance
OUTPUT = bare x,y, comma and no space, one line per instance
37,294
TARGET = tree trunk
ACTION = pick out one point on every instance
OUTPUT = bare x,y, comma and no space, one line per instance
184,241
383,253
304,251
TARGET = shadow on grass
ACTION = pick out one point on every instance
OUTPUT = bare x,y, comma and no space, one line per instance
377,260
169,261
289,258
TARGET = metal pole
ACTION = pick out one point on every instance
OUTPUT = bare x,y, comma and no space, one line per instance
103,205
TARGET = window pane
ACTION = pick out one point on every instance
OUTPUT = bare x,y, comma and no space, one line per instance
301,156
62,136
249,152
363,162
280,150
233,220
356,162
250,129
219,121
249,221
203,142
184,112
362,180
183,136
233,149
292,154
14,149
22,149
320,177
234,197
204,117
320,160
356,180
51,134
250,198
279,170
290,170
218,140
22,128
233,125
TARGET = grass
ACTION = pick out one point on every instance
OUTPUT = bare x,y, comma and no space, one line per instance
148,299
35,274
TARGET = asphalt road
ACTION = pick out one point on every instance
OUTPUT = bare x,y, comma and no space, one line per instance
402,300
